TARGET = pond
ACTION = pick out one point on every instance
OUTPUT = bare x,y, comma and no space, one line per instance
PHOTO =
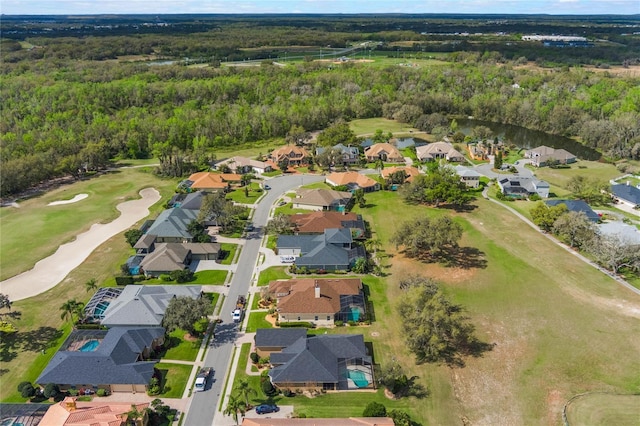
526,138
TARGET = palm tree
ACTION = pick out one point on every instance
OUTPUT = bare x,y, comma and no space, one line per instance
90,285
69,308
235,406
245,390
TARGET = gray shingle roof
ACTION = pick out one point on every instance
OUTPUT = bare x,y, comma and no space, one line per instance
627,192
576,206
173,223
323,251
317,358
145,305
113,362
278,337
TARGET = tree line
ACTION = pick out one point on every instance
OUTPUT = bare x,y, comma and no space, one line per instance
60,118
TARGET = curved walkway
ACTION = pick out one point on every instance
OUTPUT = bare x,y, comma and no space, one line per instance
50,271
560,244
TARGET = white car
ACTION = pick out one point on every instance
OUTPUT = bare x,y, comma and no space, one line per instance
236,315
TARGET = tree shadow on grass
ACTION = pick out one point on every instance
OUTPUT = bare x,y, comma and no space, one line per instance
454,257
38,340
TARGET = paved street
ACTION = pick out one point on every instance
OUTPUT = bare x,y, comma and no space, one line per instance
204,405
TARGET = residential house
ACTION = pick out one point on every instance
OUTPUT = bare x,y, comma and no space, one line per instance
437,151
368,142
576,206
322,199
385,152
627,194
326,361
171,226
144,306
208,181
468,176
350,154
319,301
544,155
317,222
99,302
350,421
270,340
515,186
330,251
71,412
353,181
409,171
620,230
114,359
481,150
168,257
297,156
243,165
190,201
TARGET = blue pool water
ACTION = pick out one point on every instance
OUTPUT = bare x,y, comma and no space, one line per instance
354,315
90,346
359,378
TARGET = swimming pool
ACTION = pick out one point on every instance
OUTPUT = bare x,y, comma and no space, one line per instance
89,346
358,377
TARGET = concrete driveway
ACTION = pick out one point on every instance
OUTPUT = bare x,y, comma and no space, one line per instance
487,170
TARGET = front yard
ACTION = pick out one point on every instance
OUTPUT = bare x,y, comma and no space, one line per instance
174,379
273,273
179,348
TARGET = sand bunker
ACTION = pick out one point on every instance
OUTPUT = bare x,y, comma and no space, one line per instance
73,200
50,271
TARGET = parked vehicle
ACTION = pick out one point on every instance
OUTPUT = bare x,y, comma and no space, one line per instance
202,379
267,187
238,312
267,408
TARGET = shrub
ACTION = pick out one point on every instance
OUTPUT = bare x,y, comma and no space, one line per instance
264,375
124,280
268,388
400,418
534,197
154,386
374,409
26,389
288,393
254,357
165,277
303,324
181,275
351,323
51,390
73,392
338,323
264,361
101,392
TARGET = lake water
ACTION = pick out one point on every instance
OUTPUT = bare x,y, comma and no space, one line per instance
526,138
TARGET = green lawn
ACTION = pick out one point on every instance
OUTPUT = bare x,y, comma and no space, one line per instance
179,348
368,126
273,273
174,379
289,210
213,297
230,252
604,409
35,230
239,196
257,320
212,277
590,169
317,185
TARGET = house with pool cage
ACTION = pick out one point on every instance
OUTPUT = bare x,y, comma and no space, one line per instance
330,362
120,359
319,301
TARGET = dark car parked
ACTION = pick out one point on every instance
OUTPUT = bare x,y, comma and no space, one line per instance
267,408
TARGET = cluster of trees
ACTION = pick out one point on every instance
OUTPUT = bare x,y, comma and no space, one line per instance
424,236
187,314
434,328
62,118
613,252
441,185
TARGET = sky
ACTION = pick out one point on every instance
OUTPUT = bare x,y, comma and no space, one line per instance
91,7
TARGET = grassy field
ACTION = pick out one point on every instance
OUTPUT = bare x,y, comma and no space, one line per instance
174,379
603,409
257,320
548,327
273,273
213,277
239,196
35,230
230,250
181,349
368,126
590,169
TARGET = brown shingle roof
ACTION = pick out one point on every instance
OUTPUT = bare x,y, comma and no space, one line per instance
207,180
317,222
300,294
410,171
345,178
392,153
289,151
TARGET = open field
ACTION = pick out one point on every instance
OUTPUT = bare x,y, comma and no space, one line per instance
548,327
590,169
366,126
599,409
35,230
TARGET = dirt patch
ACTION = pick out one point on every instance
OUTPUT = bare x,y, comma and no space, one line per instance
555,402
189,338
621,306
450,275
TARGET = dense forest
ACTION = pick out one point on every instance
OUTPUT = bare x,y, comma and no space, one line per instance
60,115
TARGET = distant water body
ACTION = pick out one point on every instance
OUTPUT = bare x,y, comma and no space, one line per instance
526,138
